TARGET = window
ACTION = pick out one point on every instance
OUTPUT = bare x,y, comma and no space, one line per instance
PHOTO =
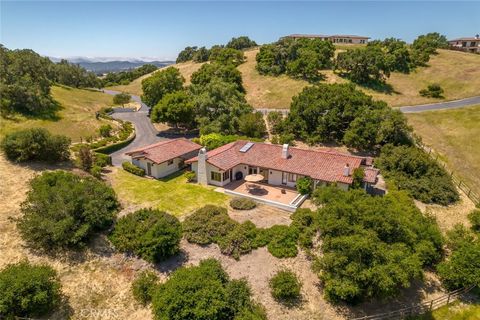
226,175
169,162
252,170
216,176
292,177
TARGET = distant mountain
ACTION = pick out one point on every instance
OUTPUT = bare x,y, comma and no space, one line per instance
103,65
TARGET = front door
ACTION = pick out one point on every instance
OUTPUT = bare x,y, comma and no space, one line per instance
149,169
252,170
284,177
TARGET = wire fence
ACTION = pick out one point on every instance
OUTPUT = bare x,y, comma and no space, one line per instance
419,308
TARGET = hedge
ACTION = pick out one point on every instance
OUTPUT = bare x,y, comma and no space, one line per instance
127,166
116,146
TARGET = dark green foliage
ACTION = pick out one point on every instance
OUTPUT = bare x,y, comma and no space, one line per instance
227,56
282,241
304,185
462,268
161,83
121,98
411,169
432,91
396,54
459,236
186,54
35,144
175,108
285,286
149,233
287,138
241,43
130,167
242,204
105,130
304,220
144,286
252,125
214,140
101,160
190,176
204,292
339,112
125,77
474,218
96,171
28,290
357,176
372,246
201,55
302,58
242,239
73,75
209,71
275,119
64,210
430,42
207,225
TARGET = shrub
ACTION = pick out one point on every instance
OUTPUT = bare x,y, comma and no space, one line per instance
304,185
28,290
207,225
432,91
274,120
287,138
252,125
143,287
96,171
105,130
101,160
242,204
190,176
214,140
122,98
462,269
35,144
474,218
149,233
85,157
128,166
203,292
282,241
285,286
305,222
241,240
64,210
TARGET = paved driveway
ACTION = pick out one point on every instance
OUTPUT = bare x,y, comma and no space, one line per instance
145,132
442,105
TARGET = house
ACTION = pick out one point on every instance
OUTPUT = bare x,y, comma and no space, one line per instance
279,165
466,44
337,38
164,158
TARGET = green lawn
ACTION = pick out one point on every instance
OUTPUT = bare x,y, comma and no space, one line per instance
75,118
454,311
455,135
172,194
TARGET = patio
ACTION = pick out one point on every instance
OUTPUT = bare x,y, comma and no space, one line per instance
278,196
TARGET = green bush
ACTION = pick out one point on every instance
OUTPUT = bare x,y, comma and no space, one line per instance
85,157
282,241
474,218
28,290
96,171
214,140
304,220
304,185
128,166
35,144
459,236
242,204
113,147
144,286
432,91
285,286
101,160
207,225
241,240
149,233
105,130
64,210
190,176
287,138
204,292
411,169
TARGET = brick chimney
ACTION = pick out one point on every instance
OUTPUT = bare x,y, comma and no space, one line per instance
346,170
285,151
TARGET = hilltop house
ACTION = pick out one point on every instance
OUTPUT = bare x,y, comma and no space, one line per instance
279,165
164,158
337,38
466,44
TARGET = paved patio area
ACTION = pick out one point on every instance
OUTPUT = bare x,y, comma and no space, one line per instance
281,194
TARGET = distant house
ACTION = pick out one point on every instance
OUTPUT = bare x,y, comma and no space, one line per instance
279,165
337,38
164,158
466,44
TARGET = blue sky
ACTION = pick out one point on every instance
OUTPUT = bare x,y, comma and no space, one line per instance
161,29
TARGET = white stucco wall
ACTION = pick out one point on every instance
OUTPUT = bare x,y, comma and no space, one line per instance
158,170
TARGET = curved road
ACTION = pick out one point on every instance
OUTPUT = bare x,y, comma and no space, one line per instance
145,132
442,105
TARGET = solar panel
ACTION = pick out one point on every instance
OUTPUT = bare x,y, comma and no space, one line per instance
246,147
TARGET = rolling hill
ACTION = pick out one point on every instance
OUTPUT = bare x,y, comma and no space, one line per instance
457,72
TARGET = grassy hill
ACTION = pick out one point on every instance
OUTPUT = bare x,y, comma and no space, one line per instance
75,119
457,72
454,134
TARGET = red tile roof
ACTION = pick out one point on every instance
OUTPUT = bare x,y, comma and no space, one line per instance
320,165
371,175
165,150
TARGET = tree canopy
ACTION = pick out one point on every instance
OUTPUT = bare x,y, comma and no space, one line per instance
125,77
209,71
241,43
161,83
175,108
122,98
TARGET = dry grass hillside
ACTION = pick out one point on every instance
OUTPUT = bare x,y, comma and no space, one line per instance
458,73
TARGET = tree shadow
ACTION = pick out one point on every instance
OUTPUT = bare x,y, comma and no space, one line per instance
379,86
292,303
172,263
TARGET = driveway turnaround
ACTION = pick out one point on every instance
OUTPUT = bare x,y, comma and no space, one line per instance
145,132
442,105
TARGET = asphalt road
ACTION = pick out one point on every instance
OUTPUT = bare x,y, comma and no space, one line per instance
442,105
145,132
